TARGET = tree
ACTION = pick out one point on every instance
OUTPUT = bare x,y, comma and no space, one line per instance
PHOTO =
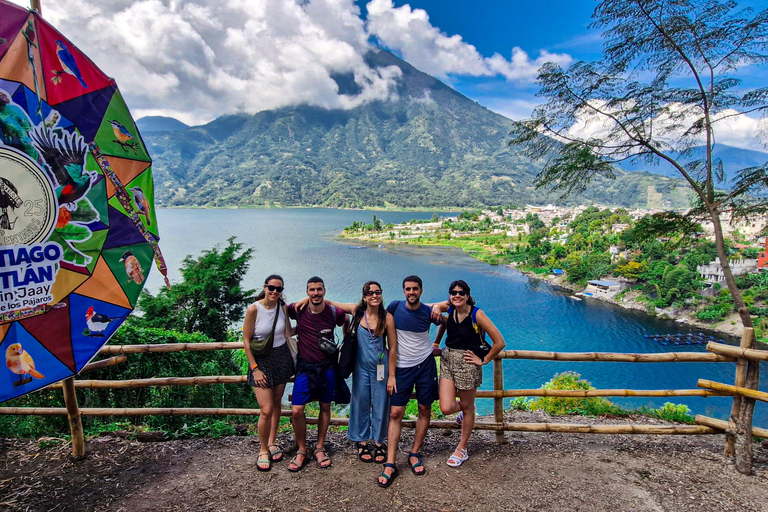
208,299
692,51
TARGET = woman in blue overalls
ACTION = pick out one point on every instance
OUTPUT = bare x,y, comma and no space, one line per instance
372,326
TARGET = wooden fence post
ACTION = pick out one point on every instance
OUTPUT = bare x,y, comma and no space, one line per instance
498,401
746,411
73,413
741,375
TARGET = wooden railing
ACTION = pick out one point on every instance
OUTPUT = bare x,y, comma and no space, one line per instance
738,430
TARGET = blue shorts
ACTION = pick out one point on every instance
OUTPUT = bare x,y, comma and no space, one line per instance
302,394
423,376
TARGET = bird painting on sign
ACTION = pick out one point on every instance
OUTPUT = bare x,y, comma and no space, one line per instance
123,136
31,37
21,363
15,126
64,157
141,203
132,268
96,322
68,65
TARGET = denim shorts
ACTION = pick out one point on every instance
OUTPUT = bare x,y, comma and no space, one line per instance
423,376
302,394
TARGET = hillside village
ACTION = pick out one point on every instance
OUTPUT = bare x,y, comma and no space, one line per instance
606,254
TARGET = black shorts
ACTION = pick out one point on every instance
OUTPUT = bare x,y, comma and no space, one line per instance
423,376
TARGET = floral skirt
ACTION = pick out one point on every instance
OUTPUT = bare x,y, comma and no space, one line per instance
277,366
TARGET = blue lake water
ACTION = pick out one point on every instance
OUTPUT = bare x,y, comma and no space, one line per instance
531,315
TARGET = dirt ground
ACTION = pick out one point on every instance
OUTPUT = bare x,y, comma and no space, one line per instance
533,472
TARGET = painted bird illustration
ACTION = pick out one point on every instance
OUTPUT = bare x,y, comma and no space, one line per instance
123,136
68,63
141,203
132,268
21,363
15,126
64,157
96,322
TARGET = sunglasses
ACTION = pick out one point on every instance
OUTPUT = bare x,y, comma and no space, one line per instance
462,293
370,293
273,288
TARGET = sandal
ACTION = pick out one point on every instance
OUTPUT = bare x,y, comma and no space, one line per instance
418,464
275,455
380,453
325,458
362,451
264,460
389,478
294,466
455,461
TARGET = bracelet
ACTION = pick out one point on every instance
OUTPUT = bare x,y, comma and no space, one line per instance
254,366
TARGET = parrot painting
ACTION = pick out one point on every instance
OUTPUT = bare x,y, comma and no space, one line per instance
141,203
132,268
15,126
96,322
21,363
64,158
68,63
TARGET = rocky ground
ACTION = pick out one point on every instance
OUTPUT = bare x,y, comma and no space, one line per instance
532,472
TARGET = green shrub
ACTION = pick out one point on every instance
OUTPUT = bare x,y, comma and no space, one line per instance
671,412
412,410
519,403
557,406
142,366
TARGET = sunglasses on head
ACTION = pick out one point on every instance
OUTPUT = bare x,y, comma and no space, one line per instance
370,293
273,288
458,292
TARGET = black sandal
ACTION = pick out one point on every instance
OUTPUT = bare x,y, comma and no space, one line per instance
418,464
380,452
363,450
389,478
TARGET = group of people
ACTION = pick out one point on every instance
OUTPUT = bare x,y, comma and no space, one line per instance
394,356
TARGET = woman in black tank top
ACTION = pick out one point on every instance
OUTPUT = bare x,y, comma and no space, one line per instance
462,360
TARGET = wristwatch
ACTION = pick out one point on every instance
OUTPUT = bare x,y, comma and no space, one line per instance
254,366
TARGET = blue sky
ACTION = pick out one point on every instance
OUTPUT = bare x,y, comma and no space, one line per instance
197,59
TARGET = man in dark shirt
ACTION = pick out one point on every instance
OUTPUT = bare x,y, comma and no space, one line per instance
315,373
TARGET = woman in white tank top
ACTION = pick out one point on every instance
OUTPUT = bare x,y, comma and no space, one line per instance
268,373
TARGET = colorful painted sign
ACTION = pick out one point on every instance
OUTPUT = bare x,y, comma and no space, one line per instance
78,231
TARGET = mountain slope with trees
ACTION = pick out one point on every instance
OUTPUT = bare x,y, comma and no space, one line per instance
430,147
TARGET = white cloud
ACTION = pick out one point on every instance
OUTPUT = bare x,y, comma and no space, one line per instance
198,59
740,131
512,108
430,50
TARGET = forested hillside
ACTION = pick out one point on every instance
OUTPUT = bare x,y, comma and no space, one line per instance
430,147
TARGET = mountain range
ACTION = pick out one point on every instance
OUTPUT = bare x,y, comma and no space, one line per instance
429,147
734,159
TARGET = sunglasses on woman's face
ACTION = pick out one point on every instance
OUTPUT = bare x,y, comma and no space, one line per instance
273,288
371,293
458,292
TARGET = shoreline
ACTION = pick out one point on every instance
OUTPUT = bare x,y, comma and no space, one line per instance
724,327
730,326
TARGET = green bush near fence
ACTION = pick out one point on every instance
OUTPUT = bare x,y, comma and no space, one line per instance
142,366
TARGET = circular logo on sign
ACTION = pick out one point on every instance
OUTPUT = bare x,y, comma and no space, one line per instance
28,207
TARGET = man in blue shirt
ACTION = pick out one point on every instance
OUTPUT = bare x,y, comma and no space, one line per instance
411,364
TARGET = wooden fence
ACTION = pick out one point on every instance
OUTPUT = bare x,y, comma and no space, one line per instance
738,430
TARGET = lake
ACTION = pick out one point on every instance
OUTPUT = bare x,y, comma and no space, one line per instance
531,315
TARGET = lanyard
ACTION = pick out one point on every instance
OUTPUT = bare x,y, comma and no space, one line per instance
373,340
